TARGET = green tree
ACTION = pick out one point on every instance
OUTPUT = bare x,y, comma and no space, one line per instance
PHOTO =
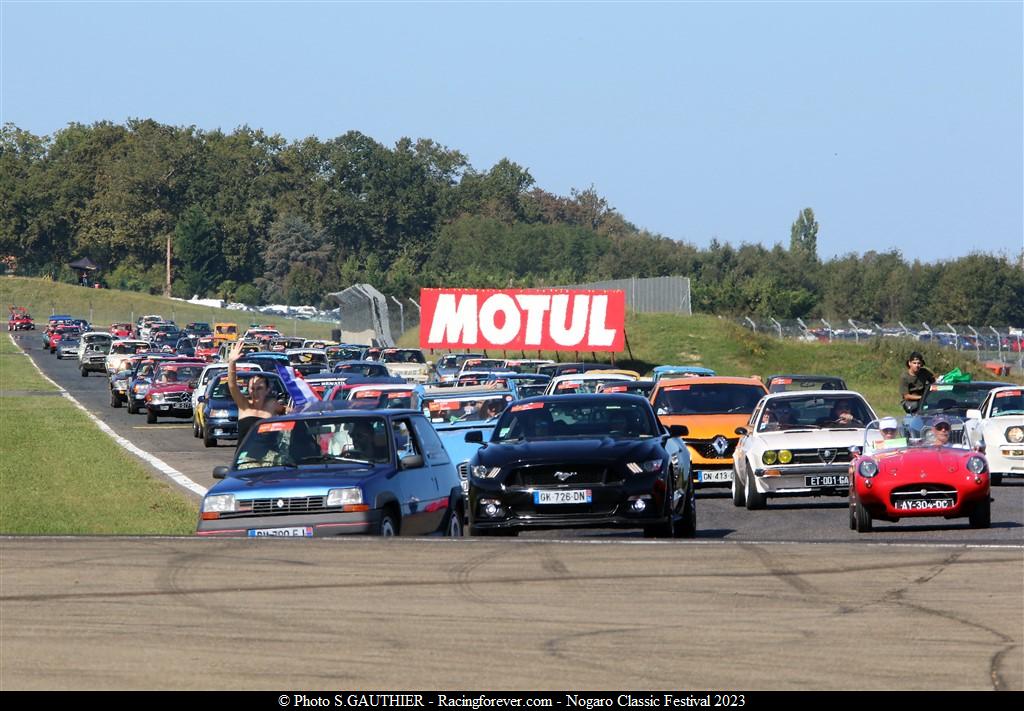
199,260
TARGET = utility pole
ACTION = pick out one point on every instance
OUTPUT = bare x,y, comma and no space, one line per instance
167,282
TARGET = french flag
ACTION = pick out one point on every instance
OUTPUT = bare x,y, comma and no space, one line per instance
298,389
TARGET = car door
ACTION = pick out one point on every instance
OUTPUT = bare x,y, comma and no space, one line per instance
740,452
416,484
442,472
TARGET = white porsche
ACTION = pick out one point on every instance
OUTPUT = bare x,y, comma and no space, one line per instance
798,444
999,425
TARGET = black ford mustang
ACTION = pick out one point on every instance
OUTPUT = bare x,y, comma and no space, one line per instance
581,461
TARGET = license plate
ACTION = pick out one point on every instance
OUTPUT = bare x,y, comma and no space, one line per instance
570,496
299,531
725,475
923,504
837,480
165,407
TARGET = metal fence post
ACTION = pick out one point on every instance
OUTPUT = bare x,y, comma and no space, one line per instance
999,343
956,336
977,340
906,331
753,326
778,326
856,330
828,326
401,313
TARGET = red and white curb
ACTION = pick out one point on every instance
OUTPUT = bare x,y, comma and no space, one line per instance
154,461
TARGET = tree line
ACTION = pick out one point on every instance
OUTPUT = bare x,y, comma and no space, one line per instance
256,218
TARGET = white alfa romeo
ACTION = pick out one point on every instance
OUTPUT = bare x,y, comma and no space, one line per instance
999,425
798,444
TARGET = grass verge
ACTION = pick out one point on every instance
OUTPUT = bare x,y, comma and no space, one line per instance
60,475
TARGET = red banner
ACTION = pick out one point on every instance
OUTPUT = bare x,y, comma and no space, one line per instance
523,319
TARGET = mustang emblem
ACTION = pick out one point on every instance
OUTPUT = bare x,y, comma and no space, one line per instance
721,445
562,476
828,455
280,503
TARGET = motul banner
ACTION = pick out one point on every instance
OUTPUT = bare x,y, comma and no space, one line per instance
523,319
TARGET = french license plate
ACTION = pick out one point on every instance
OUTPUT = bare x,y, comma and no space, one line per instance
724,475
923,504
298,531
837,480
569,496
165,407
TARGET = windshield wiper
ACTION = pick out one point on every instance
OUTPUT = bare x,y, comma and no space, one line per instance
321,458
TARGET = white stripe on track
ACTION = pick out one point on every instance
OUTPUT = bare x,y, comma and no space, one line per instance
155,462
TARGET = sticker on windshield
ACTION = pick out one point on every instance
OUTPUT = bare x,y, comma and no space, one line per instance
444,405
568,384
368,393
1008,393
528,406
615,389
673,388
400,393
285,426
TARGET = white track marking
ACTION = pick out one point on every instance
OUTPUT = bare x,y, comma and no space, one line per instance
155,462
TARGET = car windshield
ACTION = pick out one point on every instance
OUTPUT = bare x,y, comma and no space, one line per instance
642,389
783,384
386,399
531,390
569,387
557,418
707,399
471,408
220,389
177,373
954,398
368,369
413,356
483,364
1008,402
343,353
939,431
205,342
826,412
306,358
293,443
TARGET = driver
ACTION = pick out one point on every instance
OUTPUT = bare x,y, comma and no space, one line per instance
941,430
842,414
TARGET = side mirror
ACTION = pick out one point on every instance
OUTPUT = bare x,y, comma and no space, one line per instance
974,414
201,399
193,383
678,430
741,430
475,437
412,461
220,472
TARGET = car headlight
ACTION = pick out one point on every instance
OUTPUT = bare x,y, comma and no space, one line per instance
157,397
867,468
484,472
652,466
218,414
345,496
770,457
140,388
785,456
975,465
1015,435
219,503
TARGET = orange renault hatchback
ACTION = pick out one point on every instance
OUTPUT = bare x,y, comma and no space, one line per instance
711,408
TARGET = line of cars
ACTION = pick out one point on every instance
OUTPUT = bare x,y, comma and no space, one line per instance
507,446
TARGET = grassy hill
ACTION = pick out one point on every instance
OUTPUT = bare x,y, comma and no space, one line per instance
871,368
105,306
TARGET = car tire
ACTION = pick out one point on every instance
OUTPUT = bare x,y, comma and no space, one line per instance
981,514
853,515
132,409
195,430
115,401
686,527
388,526
996,478
85,373
453,524
861,517
208,441
739,496
150,417
754,499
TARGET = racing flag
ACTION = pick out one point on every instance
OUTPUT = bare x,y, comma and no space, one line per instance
298,389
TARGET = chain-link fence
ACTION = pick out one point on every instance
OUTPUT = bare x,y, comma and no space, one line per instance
653,295
987,343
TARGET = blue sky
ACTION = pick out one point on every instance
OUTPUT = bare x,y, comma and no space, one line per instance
900,124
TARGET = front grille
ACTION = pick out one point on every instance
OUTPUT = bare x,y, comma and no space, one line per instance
295,505
840,455
464,470
177,398
921,492
706,448
545,475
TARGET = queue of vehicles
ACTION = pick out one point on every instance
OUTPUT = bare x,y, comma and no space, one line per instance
397,445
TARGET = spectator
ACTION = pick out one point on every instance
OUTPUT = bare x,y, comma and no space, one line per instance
914,383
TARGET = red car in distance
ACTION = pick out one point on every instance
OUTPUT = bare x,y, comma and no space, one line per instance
170,391
19,320
121,330
206,349
926,467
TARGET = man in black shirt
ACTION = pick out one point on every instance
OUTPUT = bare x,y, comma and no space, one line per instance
914,383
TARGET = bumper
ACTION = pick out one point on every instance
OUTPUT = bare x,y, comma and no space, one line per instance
169,410
222,429
824,480
97,367
1006,461
322,525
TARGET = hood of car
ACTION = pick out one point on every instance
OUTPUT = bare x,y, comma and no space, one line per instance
809,439
708,426
170,388
923,460
575,450
310,480
994,428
